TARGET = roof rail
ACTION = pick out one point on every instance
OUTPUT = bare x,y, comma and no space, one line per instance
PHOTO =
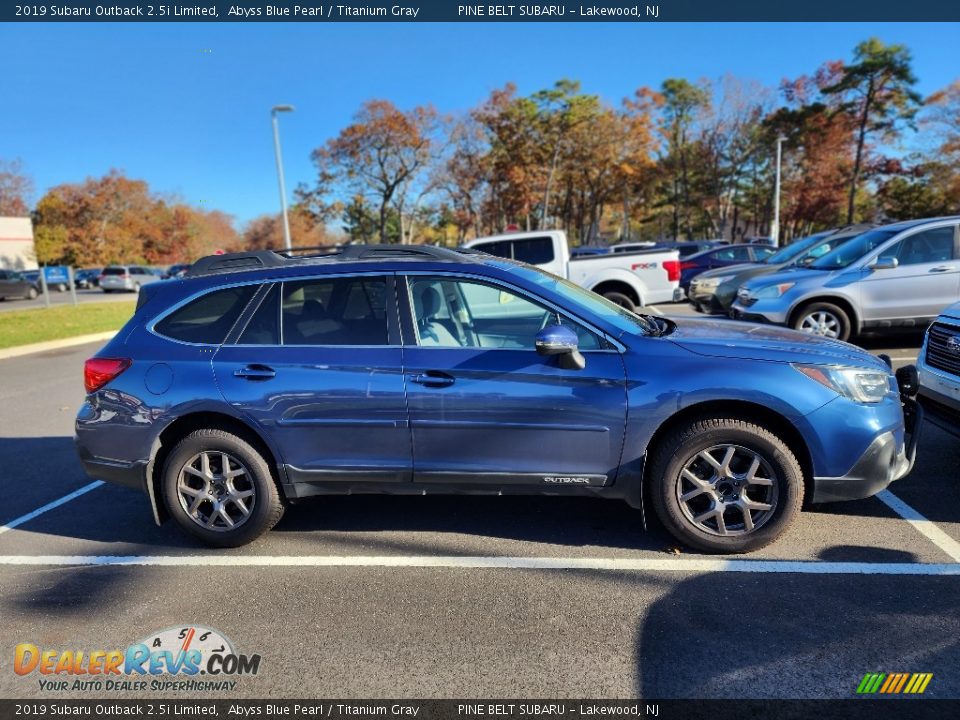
258,259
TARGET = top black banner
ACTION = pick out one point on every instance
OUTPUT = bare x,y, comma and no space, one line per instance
622,11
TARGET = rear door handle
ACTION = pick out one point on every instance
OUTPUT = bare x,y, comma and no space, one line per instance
255,372
433,378
943,268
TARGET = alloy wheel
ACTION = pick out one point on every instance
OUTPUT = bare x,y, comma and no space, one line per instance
822,323
216,491
727,490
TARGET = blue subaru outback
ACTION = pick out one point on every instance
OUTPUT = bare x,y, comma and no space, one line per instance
262,378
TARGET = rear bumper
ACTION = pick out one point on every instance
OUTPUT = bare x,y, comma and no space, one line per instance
131,475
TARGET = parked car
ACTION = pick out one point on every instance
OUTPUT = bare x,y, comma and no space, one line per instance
87,278
900,275
175,271
631,280
939,371
125,278
720,257
14,284
714,291
686,248
261,379
626,247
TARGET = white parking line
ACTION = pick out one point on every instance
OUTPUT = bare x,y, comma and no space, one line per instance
926,527
651,308
50,506
679,565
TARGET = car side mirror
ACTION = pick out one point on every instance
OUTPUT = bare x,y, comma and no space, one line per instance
562,341
884,264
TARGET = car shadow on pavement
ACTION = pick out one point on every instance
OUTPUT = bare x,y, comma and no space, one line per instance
555,521
762,635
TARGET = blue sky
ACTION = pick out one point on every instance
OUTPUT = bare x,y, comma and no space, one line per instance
186,106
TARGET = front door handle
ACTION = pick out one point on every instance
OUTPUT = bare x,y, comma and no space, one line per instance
942,268
433,378
255,372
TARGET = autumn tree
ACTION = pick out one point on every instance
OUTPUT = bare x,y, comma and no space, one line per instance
380,155
265,232
877,90
117,219
15,189
682,101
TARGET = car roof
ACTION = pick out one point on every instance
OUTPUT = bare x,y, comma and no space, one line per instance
907,224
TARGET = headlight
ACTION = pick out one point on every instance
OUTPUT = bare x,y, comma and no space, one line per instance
712,282
770,291
858,384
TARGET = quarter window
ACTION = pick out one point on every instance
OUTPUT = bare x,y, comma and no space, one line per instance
207,319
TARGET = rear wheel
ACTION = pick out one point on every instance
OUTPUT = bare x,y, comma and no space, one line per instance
621,300
219,489
725,485
825,319
32,293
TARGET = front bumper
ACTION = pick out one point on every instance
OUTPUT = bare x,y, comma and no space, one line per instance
940,410
881,463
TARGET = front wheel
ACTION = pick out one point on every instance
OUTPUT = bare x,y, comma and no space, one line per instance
32,294
725,485
824,319
219,489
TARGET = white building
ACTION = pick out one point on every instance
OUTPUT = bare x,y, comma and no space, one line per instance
17,251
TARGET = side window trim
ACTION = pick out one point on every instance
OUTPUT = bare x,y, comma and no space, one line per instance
247,315
404,291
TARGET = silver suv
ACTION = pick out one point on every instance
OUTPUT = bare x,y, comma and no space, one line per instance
939,369
125,278
899,275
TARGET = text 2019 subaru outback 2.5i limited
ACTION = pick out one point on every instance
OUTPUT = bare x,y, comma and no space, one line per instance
260,379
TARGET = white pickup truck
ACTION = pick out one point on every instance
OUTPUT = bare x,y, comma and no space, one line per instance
630,279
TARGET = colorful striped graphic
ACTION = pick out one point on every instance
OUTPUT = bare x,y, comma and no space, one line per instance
894,683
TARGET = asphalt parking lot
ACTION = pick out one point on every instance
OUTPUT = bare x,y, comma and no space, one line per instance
473,596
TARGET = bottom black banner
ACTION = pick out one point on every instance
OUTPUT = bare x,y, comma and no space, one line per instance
874,709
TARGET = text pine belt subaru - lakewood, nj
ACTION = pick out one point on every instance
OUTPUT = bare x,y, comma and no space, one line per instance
262,378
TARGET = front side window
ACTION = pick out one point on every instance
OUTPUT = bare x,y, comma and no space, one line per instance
207,319
929,246
458,313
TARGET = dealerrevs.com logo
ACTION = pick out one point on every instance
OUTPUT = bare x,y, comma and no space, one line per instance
171,659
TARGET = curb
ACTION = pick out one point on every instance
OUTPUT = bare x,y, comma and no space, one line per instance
55,344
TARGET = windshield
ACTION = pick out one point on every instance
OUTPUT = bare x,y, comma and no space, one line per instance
591,302
794,249
852,251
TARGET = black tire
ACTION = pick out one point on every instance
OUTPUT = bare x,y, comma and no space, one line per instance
683,446
267,506
839,315
32,294
107,291
622,300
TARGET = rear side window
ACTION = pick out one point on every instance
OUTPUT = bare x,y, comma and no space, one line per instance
534,251
333,311
208,318
114,271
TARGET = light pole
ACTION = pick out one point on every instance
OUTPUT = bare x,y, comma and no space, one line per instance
283,190
775,229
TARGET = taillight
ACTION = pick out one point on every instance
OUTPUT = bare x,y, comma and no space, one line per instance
673,270
97,372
